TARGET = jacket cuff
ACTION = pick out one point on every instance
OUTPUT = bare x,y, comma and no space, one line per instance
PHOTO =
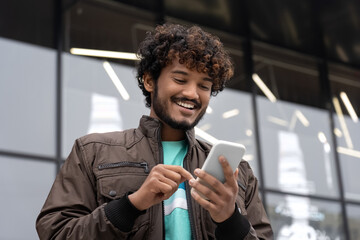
235,227
122,214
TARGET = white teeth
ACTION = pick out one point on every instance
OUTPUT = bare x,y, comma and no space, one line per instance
186,105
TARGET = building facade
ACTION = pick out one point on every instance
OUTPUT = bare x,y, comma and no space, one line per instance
293,101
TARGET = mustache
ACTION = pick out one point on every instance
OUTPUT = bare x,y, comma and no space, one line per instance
182,99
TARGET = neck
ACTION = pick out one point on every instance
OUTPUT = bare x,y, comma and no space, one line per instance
170,134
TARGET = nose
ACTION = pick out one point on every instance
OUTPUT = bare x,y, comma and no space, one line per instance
190,91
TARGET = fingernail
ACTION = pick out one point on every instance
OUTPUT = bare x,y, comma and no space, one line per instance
191,181
193,192
197,171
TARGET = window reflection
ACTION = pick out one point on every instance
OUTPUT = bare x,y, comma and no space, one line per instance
229,117
294,217
92,102
353,212
345,87
292,172
105,116
289,76
297,149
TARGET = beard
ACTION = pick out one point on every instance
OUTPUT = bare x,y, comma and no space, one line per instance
159,107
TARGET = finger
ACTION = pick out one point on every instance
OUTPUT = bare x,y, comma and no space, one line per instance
172,185
207,179
165,187
236,173
174,176
205,190
180,170
160,174
228,172
163,190
207,204
165,171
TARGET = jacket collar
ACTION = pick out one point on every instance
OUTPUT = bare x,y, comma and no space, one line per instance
151,128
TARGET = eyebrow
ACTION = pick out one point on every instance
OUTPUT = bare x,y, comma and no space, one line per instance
187,74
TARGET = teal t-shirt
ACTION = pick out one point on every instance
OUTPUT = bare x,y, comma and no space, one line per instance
177,223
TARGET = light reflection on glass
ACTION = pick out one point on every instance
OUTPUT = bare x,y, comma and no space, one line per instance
304,163
349,156
105,115
300,218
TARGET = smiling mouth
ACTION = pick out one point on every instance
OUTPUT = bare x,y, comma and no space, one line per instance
185,105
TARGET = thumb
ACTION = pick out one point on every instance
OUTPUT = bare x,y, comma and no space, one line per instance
236,173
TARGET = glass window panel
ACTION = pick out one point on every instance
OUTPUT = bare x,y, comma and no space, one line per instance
106,25
346,87
296,140
92,103
297,148
294,217
231,118
24,186
349,156
288,75
27,98
353,214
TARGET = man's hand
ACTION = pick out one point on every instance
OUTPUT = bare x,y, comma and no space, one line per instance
221,200
162,182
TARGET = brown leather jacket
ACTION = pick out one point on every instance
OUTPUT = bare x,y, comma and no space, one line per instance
104,167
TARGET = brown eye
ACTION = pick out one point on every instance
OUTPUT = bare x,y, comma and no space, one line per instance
205,87
179,80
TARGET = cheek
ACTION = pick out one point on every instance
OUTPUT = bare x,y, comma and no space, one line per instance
205,99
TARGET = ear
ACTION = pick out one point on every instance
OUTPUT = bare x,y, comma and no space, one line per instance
149,83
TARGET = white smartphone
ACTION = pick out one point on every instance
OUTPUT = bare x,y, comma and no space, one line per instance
233,152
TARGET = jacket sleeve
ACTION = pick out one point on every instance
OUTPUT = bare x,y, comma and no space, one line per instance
256,215
255,224
71,210
235,227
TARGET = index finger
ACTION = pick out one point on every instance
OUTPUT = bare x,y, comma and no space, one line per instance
180,170
228,172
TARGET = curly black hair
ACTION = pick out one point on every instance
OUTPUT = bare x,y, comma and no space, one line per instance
194,47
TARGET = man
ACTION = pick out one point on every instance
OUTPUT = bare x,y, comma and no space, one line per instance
136,184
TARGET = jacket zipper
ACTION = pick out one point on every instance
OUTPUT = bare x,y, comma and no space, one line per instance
125,164
188,200
161,161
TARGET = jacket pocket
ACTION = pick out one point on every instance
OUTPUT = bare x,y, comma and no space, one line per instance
114,180
143,165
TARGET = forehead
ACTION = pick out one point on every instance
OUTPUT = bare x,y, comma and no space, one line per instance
175,67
